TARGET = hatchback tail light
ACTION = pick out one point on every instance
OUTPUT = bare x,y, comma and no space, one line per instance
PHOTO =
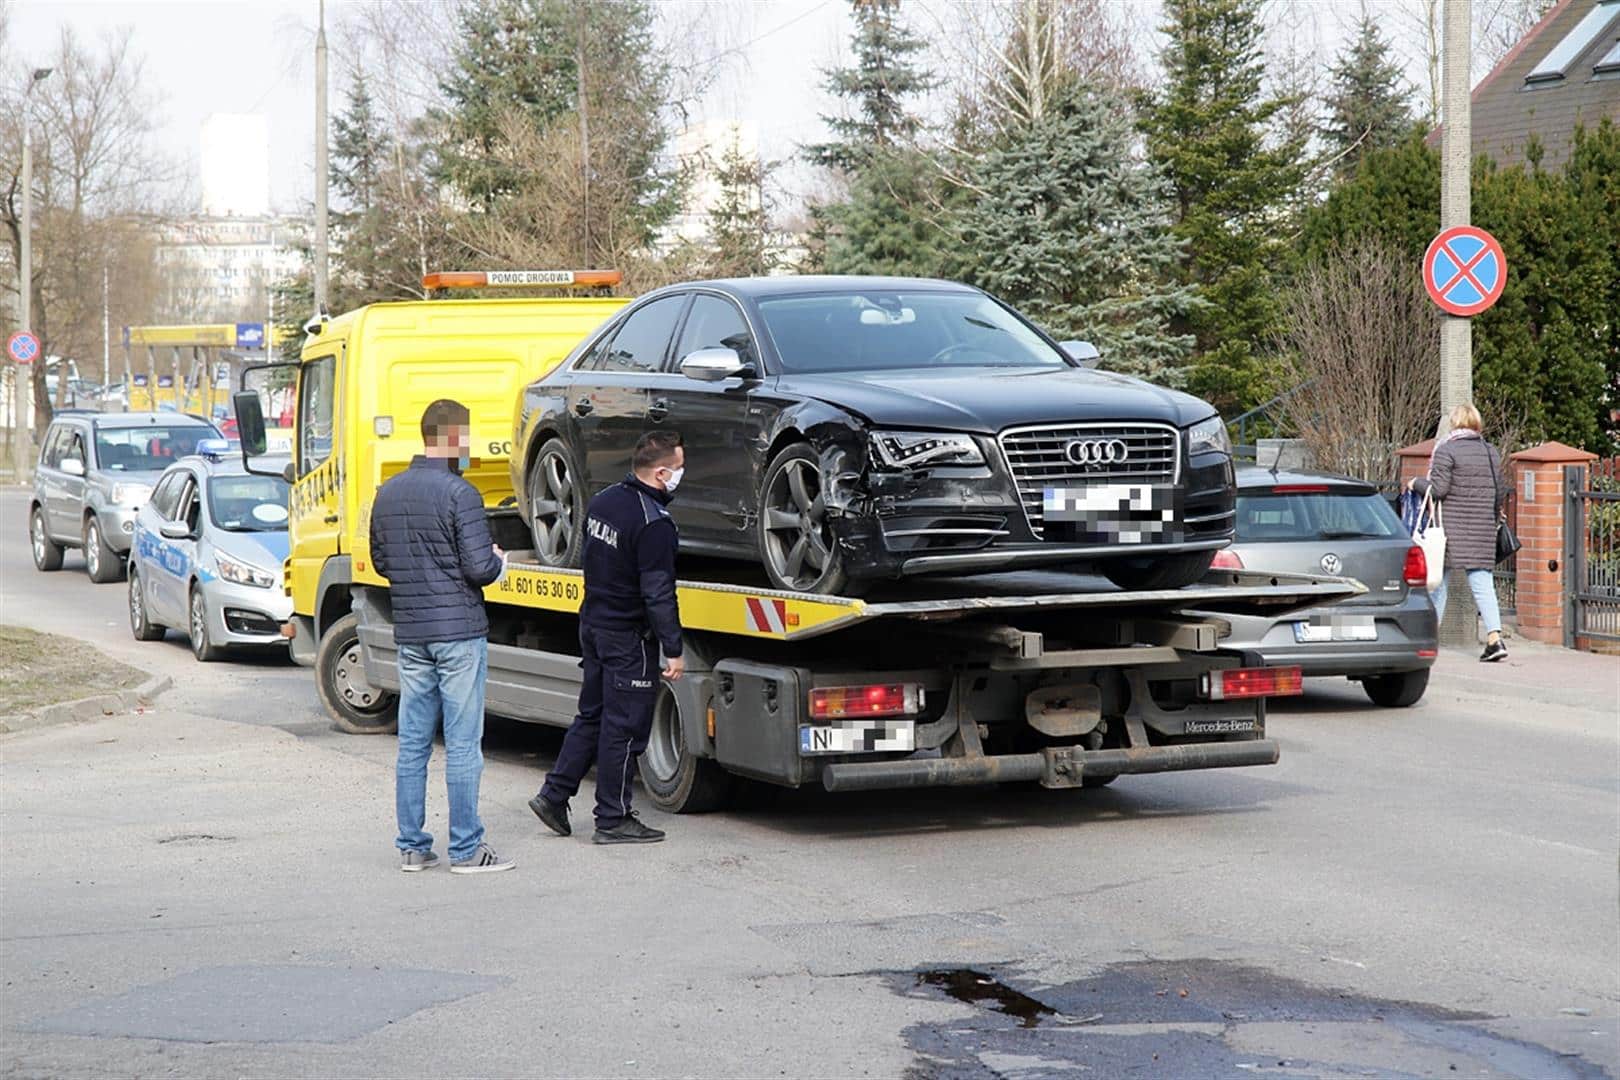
882,699
1226,560
1233,683
1417,567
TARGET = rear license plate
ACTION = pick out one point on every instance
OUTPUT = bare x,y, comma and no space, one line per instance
858,737
1343,628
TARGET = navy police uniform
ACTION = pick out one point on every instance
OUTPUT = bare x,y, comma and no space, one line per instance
629,613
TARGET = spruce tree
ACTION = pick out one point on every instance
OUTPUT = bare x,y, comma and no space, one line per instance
1367,107
893,221
739,219
1207,130
1394,193
884,75
360,148
1074,229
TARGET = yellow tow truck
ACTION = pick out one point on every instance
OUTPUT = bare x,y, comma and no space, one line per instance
1035,677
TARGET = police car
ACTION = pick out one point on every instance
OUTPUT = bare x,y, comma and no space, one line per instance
207,553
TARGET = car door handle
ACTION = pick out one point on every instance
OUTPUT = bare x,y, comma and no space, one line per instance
659,408
583,407
330,519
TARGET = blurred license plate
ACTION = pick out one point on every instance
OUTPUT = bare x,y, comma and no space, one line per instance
857,737
1343,629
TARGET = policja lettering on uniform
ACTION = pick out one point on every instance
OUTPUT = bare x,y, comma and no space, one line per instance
602,531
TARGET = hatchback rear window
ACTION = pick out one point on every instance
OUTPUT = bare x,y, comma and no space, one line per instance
1268,516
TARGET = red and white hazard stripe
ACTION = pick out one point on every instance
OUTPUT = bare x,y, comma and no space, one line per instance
767,616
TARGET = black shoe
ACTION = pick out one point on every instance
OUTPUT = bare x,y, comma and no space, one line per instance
1493,652
555,815
628,831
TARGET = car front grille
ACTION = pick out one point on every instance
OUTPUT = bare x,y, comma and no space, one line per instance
1038,459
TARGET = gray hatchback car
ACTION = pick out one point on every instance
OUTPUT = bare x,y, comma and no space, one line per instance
1316,523
95,472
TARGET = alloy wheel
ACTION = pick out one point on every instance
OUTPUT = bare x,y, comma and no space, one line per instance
37,534
137,605
92,549
552,504
798,537
199,622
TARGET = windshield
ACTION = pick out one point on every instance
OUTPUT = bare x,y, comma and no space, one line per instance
248,503
1266,516
877,330
147,448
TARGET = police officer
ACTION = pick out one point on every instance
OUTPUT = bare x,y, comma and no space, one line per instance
629,613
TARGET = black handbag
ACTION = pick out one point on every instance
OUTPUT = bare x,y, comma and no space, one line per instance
1507,543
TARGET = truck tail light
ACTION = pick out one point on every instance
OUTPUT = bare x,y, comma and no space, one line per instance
1226,560
1417,567
1234,683
879,699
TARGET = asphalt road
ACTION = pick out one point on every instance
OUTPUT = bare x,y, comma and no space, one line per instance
209,888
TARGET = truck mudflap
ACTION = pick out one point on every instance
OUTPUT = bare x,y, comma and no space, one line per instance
1054,767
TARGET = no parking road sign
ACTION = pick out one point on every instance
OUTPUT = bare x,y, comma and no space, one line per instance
1464,270
22,347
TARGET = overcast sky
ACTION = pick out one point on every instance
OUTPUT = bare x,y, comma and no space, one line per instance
231,56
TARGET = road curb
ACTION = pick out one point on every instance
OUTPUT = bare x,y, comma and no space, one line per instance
88,708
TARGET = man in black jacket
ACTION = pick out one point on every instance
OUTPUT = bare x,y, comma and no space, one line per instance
430,539
628,614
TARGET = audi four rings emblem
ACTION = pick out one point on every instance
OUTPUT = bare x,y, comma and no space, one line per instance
1096,451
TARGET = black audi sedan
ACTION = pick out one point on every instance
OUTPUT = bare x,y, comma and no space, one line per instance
845,430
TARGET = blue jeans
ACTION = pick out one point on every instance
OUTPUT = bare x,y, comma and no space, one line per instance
1483,586
441,680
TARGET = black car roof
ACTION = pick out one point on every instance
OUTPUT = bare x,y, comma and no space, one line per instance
1252,477
798,285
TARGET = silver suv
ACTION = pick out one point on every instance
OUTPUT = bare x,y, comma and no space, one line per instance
95,472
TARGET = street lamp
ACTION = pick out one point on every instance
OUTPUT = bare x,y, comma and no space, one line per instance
23,438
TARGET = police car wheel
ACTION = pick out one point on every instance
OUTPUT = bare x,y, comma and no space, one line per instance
1168,572
103,563
556,506
140,623
47,552
201,647
356,706
678,781
796,542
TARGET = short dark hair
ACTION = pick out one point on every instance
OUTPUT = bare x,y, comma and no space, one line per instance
655,448
444,413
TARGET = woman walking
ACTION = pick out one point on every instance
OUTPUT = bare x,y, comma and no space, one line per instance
1465,475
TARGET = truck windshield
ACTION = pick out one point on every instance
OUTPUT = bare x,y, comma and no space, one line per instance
147,449
1268,516
876,330
248,503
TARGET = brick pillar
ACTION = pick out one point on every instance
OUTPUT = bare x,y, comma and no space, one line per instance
1414,460
1539,478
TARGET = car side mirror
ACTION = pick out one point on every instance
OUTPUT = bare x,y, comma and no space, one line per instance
73,466
174,530
715,365
288,473
1083,353
250,423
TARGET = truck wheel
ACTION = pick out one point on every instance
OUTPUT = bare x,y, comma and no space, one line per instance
47,552
1169,572
1397,691
796,542
556,506
354,704
678,781
103,563
140,623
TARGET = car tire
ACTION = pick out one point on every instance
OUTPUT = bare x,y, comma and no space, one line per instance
677,780
140,622
1152,575
556,518
47,552
103,563
1396,691
794,532
202,647
356,706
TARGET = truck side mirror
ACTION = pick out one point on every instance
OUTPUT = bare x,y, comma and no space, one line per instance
288,473
1083,353
250,423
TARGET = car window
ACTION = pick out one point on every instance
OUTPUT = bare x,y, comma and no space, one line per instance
147,448
594,357
640,344
317,400
188,509
73,447
1270,516
51,455
248,503
714,323
167,495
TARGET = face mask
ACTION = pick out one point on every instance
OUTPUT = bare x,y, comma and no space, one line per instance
674,480
460,463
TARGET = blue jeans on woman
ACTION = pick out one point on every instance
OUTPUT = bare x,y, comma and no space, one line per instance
1483,586
441,680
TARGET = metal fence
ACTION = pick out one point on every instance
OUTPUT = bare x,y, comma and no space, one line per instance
1592,551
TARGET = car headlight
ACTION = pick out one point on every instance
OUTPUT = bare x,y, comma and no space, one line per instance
131,494
913,449
1208,436
244,573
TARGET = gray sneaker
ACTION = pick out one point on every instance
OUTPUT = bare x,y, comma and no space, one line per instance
414,861
483,861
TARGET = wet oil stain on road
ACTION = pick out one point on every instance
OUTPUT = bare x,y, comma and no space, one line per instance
1204,1018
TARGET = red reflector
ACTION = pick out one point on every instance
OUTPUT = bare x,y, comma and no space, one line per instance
1236,683
1226,560
886,699
1428,654
1417,567
1300,489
